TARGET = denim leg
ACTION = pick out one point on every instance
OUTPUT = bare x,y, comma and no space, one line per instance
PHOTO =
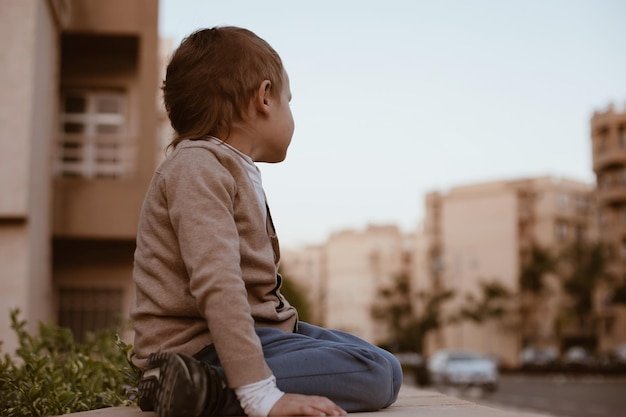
316,361
356,375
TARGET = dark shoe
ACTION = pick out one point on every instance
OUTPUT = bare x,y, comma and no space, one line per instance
177,385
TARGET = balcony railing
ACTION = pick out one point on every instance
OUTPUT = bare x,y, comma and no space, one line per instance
612,194
95,156
608,158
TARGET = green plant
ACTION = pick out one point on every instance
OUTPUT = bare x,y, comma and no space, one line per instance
51,374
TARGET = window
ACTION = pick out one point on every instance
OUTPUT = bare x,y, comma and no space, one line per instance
85,310
581,202
94,140
562,230
602,141
621,136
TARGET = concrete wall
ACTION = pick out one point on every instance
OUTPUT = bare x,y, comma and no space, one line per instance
35,206
29,54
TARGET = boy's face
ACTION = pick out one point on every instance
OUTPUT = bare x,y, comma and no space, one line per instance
281,126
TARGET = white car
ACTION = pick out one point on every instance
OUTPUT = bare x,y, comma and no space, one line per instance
462,368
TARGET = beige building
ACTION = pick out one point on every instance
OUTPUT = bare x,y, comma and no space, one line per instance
343,276
307,268
77,150
608,137
483,232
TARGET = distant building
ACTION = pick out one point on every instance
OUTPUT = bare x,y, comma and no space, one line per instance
307,268
77,150
484,232
608,138
345,274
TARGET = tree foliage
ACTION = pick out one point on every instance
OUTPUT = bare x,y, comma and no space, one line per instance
51,374
409,316
493,303
534,270
533,289
296,297
584,268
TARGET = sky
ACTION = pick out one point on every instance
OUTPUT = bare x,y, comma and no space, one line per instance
394,99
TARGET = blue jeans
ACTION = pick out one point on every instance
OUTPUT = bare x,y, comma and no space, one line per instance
354,374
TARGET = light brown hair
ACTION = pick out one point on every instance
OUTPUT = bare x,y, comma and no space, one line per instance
212,77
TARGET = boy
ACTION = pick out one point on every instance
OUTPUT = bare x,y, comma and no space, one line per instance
213,333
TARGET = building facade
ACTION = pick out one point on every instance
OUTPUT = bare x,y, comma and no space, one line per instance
608,136
482,234
344,275
77,142
608,139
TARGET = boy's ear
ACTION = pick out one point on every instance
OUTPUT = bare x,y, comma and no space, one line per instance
262,97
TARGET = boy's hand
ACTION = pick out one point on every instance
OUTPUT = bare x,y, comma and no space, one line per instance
305,405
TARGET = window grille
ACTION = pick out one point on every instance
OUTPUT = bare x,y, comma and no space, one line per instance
85,310
94,140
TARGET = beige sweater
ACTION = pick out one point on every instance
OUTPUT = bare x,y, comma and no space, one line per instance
206,263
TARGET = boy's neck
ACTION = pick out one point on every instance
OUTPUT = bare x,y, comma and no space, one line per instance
239,139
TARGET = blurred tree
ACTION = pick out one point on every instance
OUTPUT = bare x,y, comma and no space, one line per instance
535,267
493,303
296,297
539,263
409,322
584,266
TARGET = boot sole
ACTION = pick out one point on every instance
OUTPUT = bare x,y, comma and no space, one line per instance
174,376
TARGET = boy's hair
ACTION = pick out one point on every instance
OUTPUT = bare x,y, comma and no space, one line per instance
212,77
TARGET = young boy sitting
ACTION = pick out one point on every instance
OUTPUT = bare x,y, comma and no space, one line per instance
213,333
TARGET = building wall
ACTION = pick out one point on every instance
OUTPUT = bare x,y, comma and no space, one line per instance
307,268
48,222
28,30
110,208
608,139
608,136
345,274
359,264
481,232
107,47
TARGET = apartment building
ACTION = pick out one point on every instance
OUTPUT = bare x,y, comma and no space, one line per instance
608,136
482,233
344,275
77,150
608,139
307,268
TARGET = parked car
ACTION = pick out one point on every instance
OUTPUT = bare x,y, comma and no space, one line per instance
539,359
462,368
577,358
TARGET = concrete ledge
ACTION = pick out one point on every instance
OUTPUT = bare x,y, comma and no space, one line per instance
412,402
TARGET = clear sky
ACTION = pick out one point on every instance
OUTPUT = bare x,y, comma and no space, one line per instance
393,99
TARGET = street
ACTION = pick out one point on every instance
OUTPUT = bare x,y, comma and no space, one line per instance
557,395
